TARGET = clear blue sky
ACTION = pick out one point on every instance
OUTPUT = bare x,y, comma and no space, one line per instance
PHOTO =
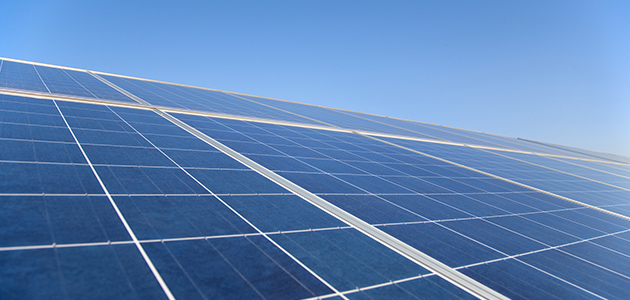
554,71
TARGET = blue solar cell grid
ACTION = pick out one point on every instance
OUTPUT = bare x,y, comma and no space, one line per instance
174,210
118,202
57,81
473,222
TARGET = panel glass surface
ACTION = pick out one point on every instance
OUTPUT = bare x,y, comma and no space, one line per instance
574,167
180,97
339,119
432,131
59,82
97,88
578,187
98,272
589,153
209,216
22,76
473,222
214,228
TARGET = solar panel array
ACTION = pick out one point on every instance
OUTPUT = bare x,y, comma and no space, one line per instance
119,187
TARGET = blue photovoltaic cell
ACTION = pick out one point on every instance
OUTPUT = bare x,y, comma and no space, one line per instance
575,187
107,272
195,99
21,76
432,287
424,130
336,118
44,220
31,150
328,252
59,82
493,140
617,169
519,281
235,268
226,103
147,92
463,136
97,88
273,213
159,217
607,157
572,167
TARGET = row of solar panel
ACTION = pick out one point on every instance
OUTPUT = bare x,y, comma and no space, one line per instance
472,222
475,223
24,76
58,225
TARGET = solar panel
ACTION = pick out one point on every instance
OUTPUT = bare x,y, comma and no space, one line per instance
209,194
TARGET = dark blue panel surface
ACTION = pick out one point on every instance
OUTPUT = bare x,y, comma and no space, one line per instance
47,178
148,180
536,231
97,88
468,204
21,76
320,183
23,104
235,181
155,172
46,116
133,156
519,281
59,82
40,133
43,220
347,259
156,217
537,176
428,207
281,212
196,99
373,184
37,151
572,167
98,272
608,257
30,274
582,273
496,237
373,209
442,244
337,118
431,287
235,268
